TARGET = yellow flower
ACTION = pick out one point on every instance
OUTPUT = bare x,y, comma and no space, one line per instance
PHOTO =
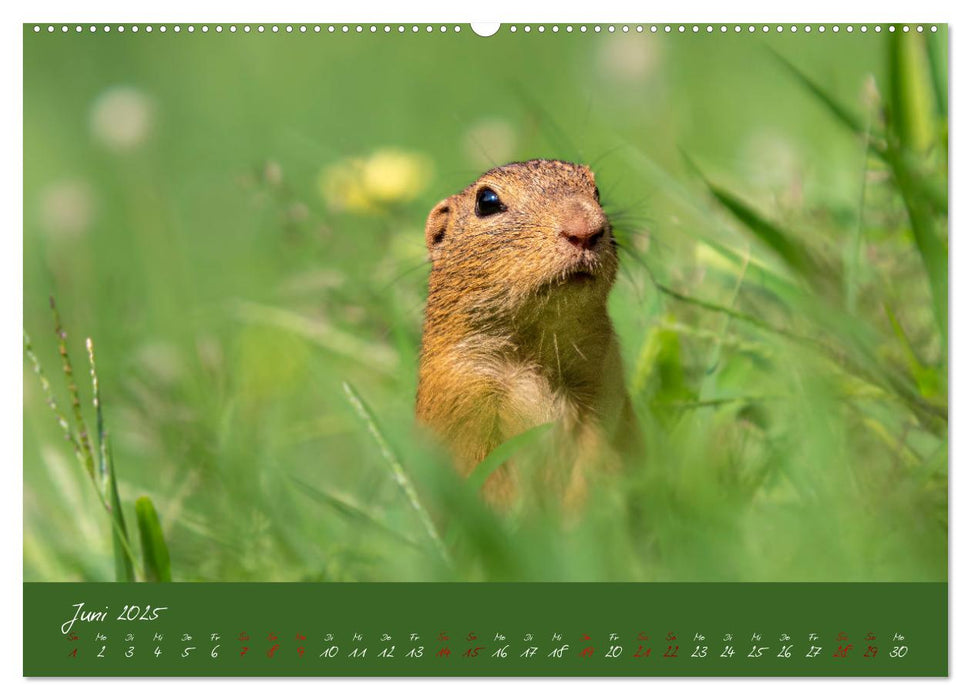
370,184
341,187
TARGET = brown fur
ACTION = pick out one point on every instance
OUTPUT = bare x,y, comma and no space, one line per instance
516,329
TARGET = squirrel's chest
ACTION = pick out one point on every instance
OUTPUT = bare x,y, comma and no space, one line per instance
530,398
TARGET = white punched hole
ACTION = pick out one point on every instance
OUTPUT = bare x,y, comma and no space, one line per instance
485,28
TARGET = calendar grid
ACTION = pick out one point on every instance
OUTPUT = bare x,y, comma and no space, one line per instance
487,629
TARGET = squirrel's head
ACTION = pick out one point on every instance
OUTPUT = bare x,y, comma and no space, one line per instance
520,235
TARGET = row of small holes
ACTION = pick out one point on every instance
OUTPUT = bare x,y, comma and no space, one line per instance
695,29
246,28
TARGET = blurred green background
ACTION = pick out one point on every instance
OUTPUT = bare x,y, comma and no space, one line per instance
236,221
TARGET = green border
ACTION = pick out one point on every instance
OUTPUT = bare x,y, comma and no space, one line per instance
915,611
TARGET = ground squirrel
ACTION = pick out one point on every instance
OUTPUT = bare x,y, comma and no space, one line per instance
516,330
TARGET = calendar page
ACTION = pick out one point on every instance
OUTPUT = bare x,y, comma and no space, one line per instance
611,349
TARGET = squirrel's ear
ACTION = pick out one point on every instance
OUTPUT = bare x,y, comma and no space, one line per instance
437,225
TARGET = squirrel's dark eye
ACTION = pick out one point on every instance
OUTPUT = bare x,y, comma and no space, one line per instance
596,193
487,203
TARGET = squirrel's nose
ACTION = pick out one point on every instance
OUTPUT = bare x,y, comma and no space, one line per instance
583,225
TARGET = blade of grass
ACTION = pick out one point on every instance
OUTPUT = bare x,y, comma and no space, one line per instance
937,60
155,553
124,557
735,341
842,114
350,510
724,401
504,452
719,308
908,114
660,367
928,379
932,248
397,470
707,232
775,238
910,103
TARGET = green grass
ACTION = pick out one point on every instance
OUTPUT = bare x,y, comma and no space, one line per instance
781,202
95,461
